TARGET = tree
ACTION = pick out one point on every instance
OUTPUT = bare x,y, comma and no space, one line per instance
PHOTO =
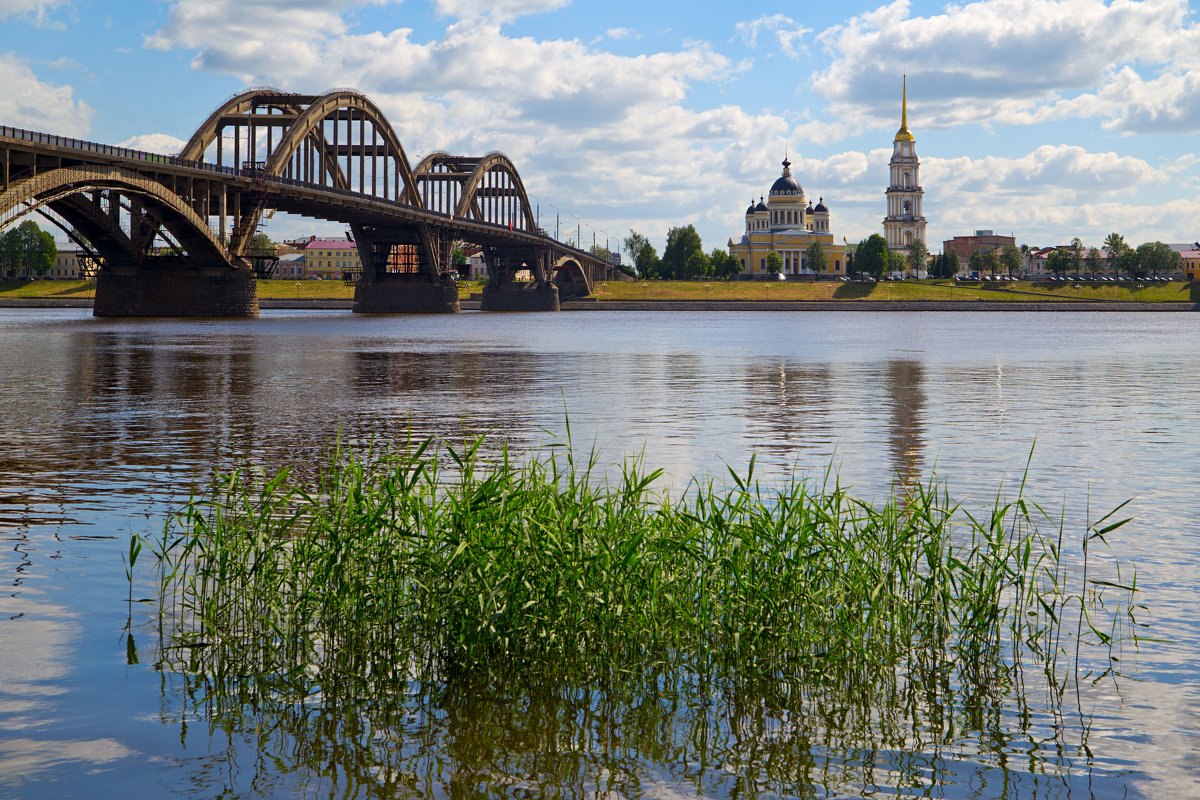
633,244
850,263
1010,259
1059,260
871,257
27,248
1114,243
458,262
774,263
1076,255
1094,261
950,264
723,264
261,243
698,265
1156,258
681,243
917,256
646,261
814,258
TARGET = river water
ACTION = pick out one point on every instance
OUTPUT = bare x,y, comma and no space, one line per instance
108,423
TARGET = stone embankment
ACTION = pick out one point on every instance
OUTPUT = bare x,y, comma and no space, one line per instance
586,304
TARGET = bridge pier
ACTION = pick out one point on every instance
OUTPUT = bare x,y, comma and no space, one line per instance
169,288
397,293
517,297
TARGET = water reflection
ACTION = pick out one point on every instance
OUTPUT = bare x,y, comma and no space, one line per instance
111,422
906,396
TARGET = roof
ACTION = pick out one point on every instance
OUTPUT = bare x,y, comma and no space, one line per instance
329,244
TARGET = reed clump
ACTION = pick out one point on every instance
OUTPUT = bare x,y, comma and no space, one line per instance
403,566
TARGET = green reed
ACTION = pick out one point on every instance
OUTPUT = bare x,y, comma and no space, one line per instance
417,564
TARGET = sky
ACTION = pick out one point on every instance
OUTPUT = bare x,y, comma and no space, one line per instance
1044,119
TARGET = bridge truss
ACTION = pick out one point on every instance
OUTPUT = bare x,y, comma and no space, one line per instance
331,156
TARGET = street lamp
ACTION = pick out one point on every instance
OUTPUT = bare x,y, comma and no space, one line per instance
577,229
593,236
537,212
555,220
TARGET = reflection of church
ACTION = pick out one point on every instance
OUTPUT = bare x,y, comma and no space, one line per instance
784,224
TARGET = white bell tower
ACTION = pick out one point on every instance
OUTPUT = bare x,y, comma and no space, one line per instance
905,220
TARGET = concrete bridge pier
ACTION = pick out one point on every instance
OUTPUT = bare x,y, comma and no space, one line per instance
398,293
169,287
520,297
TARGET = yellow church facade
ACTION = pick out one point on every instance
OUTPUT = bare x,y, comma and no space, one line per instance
788,224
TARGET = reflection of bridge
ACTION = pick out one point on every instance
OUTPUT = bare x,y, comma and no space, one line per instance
172,233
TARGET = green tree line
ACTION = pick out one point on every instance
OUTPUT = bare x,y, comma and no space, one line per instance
26,249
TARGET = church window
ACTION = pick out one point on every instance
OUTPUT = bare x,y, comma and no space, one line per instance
907,179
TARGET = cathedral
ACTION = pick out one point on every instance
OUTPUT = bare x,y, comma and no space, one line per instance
784,224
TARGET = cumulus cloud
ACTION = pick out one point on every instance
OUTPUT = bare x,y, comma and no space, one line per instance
1017,62
154,143
27,102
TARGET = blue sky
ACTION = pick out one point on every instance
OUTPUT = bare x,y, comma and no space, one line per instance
1041,118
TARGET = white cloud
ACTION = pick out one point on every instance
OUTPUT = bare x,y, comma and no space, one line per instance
154,143
1017,62
496,11
787,33
34,10
27,102
621,33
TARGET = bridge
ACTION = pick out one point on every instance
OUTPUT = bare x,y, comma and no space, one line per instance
171,234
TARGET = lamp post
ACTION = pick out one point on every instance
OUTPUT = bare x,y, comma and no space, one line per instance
593,236
537,212
577,229
555,220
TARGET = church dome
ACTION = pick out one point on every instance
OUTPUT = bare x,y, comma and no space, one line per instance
786,184
761,206
821,209
750,208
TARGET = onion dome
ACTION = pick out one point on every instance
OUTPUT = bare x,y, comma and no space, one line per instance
786,184
810,209
750,208
821,209
761,205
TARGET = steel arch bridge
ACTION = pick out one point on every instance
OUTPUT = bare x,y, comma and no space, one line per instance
172,233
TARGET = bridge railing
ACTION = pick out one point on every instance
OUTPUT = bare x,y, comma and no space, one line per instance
85,146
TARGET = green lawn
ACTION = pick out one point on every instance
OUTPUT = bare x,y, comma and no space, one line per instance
1019,291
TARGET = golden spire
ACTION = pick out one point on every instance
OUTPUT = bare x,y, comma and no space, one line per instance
903,133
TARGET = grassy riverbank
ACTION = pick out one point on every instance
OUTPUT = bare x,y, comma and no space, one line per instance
1015,292
393,568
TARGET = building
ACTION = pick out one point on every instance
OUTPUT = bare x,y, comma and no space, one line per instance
331,259
905,220
1191,263
786,225
981,242
292,267
70,265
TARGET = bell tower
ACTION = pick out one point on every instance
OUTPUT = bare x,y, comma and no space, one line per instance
905,220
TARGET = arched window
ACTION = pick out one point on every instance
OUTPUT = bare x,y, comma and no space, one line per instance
762,264
908,238
907,179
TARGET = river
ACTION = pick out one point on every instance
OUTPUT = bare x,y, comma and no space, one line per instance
107,424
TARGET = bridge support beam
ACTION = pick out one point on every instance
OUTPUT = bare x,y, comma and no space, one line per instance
392,293
170,288
520,297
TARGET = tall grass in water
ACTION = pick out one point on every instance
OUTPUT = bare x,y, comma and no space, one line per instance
411,565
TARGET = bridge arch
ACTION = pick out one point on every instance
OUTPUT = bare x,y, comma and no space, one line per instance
570,277
66,191
494,179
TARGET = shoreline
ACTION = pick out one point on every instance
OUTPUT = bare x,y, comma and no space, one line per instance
587,304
